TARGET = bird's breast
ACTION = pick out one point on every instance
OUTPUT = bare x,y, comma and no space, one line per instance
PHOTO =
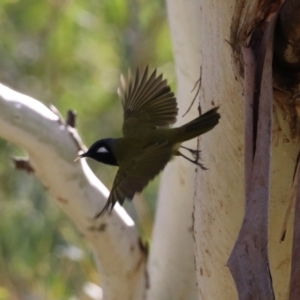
135,145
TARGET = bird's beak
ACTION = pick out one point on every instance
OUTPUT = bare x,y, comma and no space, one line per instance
80,156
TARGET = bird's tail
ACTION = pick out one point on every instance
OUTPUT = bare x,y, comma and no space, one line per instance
200,125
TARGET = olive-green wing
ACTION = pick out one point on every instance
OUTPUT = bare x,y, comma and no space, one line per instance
135,175
147,101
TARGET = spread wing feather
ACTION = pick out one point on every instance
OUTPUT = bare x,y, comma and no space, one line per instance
135,175
146,100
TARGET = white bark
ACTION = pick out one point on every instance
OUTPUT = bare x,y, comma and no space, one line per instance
52,147
219,201
200,31
219,204
172,255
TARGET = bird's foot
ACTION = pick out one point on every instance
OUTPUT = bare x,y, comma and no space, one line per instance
196,155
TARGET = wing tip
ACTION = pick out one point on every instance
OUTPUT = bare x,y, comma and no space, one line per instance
109,205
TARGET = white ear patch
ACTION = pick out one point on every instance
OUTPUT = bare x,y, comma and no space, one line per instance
102,150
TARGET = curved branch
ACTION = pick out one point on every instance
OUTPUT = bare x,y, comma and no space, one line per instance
52,147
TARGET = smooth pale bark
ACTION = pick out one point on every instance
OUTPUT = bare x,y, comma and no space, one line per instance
171,259
52,147
172,254
219,201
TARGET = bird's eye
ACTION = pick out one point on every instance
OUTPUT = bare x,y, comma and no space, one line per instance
102,150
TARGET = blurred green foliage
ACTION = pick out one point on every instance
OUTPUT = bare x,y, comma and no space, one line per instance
70,54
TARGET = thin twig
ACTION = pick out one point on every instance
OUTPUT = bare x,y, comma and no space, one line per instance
198,83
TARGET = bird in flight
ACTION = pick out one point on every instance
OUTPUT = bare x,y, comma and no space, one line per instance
148,142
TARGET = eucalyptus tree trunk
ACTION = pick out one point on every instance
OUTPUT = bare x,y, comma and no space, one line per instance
171,263
242,205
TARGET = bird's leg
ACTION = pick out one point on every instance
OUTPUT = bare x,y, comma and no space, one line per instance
195,162
195,153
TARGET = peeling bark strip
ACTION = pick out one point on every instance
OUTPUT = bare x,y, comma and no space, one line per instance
249,88
23,163
295,269
248,261
71,118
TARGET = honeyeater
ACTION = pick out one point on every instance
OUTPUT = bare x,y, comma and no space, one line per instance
148,142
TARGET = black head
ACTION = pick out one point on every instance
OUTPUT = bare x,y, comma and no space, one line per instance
102,151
